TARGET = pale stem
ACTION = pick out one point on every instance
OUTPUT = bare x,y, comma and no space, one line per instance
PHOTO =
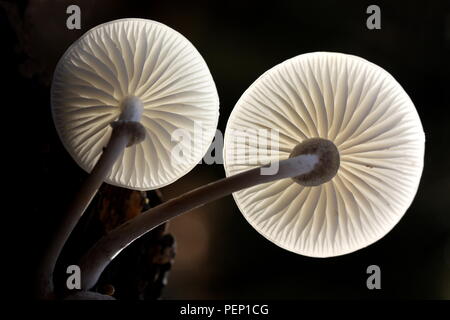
107,248
123,134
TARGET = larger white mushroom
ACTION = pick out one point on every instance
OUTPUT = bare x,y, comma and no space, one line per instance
351,147
335,101
129,83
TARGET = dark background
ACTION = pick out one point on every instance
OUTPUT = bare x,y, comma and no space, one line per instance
218,254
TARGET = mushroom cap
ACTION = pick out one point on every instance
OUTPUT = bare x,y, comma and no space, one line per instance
140,59
369,117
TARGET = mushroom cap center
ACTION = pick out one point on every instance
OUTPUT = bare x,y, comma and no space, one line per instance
325,169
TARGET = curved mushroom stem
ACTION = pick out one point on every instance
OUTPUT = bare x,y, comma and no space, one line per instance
99,256
126,132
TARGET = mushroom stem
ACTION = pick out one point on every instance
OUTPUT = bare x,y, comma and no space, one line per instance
107,248
126,132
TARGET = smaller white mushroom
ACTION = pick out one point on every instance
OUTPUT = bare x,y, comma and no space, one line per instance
118,94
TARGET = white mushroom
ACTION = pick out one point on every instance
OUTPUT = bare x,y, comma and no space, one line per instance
352,104
130,83
138,70
351,145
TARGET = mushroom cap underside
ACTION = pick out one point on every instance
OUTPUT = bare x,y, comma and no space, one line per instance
368,116
144,59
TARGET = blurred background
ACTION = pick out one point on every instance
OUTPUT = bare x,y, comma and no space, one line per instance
218,254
